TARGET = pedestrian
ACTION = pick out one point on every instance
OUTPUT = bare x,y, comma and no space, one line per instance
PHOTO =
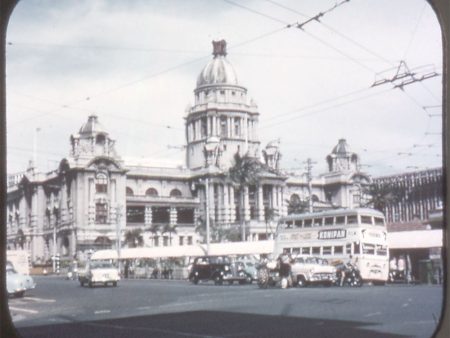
401,266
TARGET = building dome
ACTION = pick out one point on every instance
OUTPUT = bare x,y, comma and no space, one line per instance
92,126
341,148
218,70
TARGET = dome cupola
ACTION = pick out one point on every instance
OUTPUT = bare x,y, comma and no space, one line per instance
218,71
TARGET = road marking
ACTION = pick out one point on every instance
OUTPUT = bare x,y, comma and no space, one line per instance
144,307
373,314
405,305
35,299
22,310
101,311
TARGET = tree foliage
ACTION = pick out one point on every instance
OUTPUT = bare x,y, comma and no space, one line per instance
134,238
382,195
245,170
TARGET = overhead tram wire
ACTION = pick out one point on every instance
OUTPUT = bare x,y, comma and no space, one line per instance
356,43
322,110
295,111
69,105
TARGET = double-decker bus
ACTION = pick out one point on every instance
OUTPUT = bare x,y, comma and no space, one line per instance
337,235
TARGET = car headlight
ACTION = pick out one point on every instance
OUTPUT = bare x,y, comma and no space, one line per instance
227,268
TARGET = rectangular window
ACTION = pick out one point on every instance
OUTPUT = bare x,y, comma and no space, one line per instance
317,222
160,215
306,251
166,241
338,250
204,127
135,214
101,188
289,224
356,248
340,220
368,249
316,250
185,215
366,219
298,223
352,219
307,223
189,240
101,213
328,221
379,221
223,127
381,250
181,240
295,251
326,250
348,248
237,126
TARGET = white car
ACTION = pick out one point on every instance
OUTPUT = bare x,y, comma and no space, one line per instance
99,272
17,283
312,270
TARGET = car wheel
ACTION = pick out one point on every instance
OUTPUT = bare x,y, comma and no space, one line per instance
90,284
194,280
263,278
19,294
301,281
114,284
249,279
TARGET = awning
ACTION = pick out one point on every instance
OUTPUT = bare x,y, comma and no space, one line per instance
418,239
215,249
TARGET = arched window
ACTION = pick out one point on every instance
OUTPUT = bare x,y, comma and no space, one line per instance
175,193
151,192
100,139
129,191
101,183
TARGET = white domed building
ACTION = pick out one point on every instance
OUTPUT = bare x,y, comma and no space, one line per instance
95,197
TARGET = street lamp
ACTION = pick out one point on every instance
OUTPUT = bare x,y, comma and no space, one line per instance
207,214
118,232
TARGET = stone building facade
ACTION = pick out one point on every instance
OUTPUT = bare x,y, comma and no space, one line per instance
94,197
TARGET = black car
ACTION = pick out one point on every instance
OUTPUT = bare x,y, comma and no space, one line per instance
218,269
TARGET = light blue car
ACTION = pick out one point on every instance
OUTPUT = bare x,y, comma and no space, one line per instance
16,283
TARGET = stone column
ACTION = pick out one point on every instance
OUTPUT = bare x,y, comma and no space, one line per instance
232,204
280,200
173,215
261,214
226,204
246,204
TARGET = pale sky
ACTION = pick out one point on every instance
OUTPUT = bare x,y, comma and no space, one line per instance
135,65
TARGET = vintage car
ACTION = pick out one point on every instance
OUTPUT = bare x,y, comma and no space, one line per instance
312,270
98,272
17,283
218,269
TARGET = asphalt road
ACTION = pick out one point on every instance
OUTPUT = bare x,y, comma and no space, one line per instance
169,308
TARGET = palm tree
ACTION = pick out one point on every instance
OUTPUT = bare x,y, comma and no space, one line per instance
21,239
380,196
243,173
171,229
297,206
134,238
154,229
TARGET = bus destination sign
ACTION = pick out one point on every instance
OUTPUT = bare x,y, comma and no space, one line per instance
332,234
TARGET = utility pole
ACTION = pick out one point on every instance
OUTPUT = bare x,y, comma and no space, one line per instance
54,248
207,213
35,148
118,235
309,166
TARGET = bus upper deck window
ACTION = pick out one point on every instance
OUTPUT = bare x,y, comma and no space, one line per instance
348,248
316,250
298,223
368,249
340,219
356,249
289,224
317,222
366,219
379,221
328,221
352,219
306,251
326,250
339,249
307,223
